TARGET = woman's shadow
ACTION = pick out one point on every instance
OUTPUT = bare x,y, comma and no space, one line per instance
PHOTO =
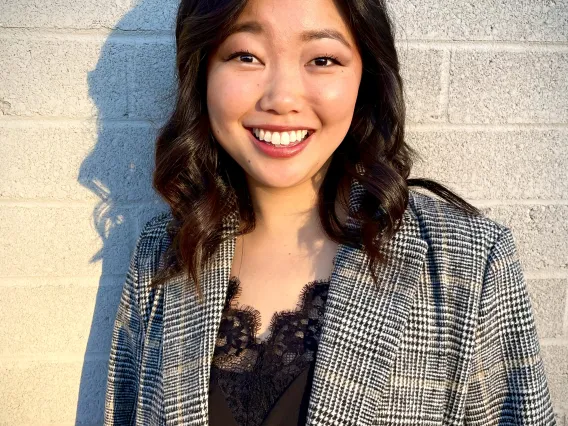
132,88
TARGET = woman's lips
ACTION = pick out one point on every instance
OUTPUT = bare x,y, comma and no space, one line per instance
279,151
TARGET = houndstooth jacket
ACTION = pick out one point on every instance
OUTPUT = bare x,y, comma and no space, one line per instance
447,338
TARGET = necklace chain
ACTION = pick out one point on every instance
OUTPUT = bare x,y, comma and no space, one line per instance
242,255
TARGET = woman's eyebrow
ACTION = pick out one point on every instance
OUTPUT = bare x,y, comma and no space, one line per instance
254,27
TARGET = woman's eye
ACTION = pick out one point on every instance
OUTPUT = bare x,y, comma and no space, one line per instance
321,60
247,56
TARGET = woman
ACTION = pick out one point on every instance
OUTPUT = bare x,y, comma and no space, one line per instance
361,302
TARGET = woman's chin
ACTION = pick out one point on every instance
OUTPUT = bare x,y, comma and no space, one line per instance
279,181
285,176
281,184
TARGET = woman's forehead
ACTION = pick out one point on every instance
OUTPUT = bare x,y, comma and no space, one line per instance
304,19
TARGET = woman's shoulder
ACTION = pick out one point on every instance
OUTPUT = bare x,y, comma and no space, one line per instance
153,240
442,222
156,227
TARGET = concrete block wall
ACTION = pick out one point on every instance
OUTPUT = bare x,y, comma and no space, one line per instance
83,88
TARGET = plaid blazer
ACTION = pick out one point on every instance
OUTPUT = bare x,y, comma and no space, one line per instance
447,338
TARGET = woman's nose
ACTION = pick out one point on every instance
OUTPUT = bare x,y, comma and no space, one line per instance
283,91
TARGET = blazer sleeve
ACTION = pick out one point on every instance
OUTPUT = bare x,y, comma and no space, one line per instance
507,383
125,353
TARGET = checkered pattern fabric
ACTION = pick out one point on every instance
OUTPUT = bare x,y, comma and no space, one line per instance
446,338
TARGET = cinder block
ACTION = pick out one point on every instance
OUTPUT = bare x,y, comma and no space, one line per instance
501,164
421,70
118,14
58,77
41,318
65,241
150,15
508,87
43,392
151,80
77,162
548,299
540,233
522,20
555,360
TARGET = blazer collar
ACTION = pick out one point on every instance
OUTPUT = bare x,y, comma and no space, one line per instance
361,329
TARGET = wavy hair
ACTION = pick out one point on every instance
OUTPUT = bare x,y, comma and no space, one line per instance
198,179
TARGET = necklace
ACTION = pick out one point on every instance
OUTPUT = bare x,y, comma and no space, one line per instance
242,255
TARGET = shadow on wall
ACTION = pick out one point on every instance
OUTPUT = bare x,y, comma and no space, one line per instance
132,88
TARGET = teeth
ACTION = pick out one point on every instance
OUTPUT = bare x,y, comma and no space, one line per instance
276,138
280,138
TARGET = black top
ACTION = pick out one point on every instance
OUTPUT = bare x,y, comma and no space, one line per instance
268,382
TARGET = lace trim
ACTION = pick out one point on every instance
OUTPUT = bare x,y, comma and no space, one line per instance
289,331
252,374
254,316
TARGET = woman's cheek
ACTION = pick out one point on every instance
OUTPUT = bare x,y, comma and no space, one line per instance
234,93
336,99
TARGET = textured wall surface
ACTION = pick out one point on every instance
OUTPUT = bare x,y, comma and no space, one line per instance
84,86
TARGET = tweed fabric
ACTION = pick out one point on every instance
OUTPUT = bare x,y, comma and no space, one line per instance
446,338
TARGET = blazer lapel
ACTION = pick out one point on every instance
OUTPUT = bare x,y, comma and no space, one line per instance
361,329
190,331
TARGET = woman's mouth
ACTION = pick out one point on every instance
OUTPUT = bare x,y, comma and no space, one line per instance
281,144
281,139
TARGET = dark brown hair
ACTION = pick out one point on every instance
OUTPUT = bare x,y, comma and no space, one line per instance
198,179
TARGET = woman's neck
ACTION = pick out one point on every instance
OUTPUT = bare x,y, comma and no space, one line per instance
283,212
289,213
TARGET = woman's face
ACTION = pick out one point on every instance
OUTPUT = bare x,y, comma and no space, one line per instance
299,68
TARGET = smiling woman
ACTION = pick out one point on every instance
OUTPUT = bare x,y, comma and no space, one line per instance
362,302
283,69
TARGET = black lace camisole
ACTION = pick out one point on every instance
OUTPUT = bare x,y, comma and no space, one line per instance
265,383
